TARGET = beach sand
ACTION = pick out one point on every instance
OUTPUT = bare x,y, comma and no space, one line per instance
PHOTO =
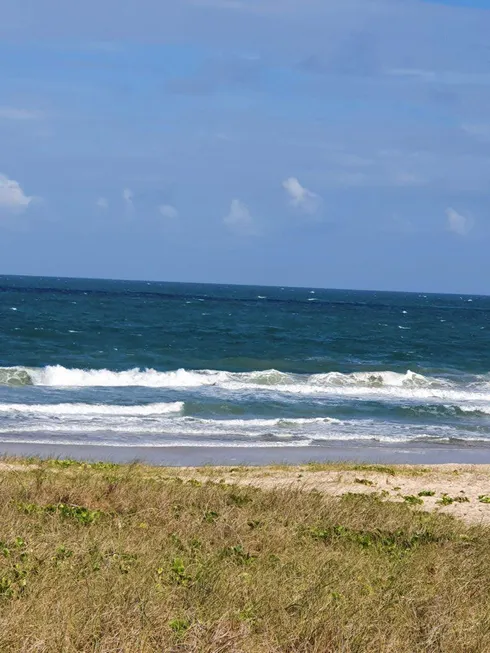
456,488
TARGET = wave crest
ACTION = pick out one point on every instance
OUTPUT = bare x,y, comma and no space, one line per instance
386,385
376,380
15,376
59,376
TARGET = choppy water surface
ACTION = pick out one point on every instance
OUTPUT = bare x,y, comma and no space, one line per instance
157,364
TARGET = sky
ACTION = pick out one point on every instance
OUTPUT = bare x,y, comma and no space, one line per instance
325,143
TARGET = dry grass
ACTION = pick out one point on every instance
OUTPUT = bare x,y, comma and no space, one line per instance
129,559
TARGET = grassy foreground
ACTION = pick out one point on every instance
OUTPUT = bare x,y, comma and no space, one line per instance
133,559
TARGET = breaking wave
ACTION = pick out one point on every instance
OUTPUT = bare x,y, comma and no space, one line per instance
15,376
409,391
59,376
179,425
81,410
384,382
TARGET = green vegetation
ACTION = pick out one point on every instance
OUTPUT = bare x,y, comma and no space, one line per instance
79,513
413,500
426,493
130,559
446,500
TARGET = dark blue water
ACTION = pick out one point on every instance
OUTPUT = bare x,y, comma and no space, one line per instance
156,364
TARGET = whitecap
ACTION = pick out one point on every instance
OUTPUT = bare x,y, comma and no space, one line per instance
83,410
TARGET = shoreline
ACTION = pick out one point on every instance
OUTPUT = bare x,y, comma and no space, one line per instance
192,456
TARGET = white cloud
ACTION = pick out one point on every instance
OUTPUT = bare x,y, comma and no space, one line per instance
14,113
102,203
300,197
168,211
127,196
12,197
457,223
239,219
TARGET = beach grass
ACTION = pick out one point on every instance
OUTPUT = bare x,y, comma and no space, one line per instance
133,559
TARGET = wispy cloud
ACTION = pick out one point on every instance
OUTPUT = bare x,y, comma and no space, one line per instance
240,220
16,113
168,211
480,131
102,203
300,197
407,179
458,223
127,196
449,77
12,197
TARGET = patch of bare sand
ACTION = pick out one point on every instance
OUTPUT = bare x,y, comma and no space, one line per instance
457,488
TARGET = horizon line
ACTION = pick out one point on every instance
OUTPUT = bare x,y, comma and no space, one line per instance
243,285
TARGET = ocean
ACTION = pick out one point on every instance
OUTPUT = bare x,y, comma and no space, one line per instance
147,364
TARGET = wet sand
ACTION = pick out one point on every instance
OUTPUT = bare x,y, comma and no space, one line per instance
171,456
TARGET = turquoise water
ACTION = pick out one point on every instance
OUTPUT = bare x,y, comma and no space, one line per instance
157,364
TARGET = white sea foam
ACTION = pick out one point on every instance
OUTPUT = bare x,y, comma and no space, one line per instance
151,418
263,423
59,376
156,425
132,437
475,409
82,410
53,440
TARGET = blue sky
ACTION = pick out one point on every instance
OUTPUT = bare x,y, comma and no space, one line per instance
333,143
